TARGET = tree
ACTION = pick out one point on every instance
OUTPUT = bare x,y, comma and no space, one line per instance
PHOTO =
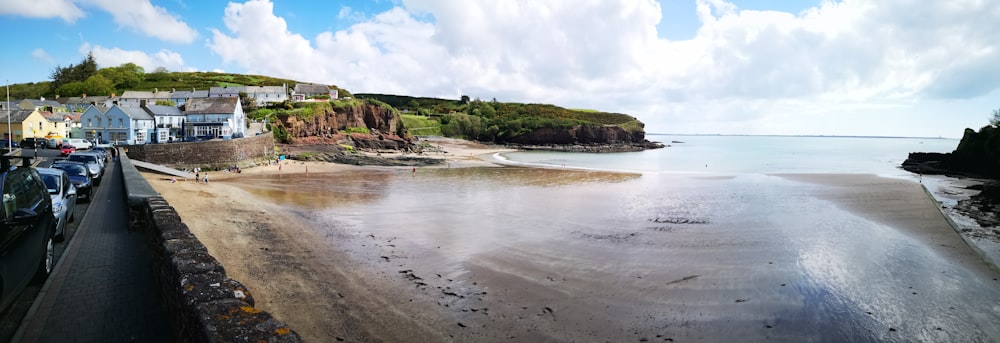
125,76
248,102
74,73
94,85
995,120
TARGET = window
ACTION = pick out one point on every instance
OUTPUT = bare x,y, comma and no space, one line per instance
162,137
121,123
90,122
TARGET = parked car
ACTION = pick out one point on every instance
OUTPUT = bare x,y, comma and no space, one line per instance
66,149
31,143
93,164
102,151
55,143
63,195
79,175
3,144
97,157
27,229
79,143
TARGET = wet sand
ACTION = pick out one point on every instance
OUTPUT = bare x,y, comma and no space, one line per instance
679,276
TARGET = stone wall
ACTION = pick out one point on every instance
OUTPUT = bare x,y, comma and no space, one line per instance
206,155
203,303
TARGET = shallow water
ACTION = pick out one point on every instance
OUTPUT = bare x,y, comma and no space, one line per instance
563,255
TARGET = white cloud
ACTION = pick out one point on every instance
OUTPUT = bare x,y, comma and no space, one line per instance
41,55
113,57
63,9
144,17
744,71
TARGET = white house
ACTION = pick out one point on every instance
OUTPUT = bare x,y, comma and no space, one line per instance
303,91
263,94
117,124
214,118
168,122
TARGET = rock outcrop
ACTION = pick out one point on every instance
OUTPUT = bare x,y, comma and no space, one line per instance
328,121
977,156
585,138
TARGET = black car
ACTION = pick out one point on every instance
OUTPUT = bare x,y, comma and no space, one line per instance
27,229
31,143
79,175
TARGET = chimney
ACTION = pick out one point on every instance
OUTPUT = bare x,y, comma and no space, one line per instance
112,94
142,103
84,95
41,98
57,96
156,90
173,90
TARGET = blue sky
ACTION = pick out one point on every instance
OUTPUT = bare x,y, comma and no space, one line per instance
848,67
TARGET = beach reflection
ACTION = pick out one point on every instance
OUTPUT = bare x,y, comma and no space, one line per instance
354,187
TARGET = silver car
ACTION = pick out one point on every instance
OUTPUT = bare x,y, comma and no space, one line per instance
63,195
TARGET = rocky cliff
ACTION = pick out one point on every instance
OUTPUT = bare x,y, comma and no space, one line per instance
326,120
325,124
591,138
977,155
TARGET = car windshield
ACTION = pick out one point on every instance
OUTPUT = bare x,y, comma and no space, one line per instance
82,158
72,169
51,182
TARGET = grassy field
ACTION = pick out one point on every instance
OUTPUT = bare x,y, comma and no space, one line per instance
421,126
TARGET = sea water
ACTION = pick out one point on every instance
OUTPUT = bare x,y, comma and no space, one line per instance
753,154
700,240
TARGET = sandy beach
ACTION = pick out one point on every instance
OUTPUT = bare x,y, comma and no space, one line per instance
292,272
358,281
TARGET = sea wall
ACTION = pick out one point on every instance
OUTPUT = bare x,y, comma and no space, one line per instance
208,154
203,303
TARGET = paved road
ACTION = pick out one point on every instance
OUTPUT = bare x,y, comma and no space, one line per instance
102,288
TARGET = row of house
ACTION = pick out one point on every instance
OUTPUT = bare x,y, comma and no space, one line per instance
263,95
134,117
202,118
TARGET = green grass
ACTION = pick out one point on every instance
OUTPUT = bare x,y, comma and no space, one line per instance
421,126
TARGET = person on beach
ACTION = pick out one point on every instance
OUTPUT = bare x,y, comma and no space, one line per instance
206,178
197,175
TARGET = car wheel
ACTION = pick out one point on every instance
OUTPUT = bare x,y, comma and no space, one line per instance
46,268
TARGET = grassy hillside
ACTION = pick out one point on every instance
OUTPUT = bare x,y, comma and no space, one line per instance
495,121
165,81
421,126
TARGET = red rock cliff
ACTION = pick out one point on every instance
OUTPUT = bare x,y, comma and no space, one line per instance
327,121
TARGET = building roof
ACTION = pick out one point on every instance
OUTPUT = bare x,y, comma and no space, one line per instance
303,88
99,107
136,113
190,94
211,105
231,90
159,110
20,115
42,102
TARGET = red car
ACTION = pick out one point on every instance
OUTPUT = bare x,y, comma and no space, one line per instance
67,149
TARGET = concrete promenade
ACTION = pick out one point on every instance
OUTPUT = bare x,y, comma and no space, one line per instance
102,289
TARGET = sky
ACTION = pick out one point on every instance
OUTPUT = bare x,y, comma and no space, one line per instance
798,67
